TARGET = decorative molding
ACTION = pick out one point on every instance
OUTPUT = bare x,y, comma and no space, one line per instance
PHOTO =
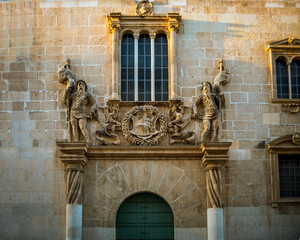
174,19
290,108
72,154
214,156
113,22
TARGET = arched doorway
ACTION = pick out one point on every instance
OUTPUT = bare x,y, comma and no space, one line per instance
144,216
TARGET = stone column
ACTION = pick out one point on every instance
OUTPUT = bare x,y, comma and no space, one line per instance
73,156
113,28
173,27
152,37
136,66
214,156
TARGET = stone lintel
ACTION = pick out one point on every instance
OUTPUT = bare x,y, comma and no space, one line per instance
144,153
214,154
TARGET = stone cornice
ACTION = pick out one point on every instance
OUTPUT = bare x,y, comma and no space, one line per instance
79,152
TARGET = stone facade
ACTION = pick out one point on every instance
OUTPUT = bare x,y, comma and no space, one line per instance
37,36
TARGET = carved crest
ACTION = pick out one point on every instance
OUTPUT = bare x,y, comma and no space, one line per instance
144,125
290,108
144,8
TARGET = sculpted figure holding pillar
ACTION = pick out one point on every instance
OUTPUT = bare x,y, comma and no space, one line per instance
81,104
209,103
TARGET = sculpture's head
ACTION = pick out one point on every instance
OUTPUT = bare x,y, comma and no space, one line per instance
206,88
81,86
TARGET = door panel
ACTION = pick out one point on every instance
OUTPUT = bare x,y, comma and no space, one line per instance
145,216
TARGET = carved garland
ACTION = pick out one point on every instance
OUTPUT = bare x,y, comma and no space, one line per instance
136,140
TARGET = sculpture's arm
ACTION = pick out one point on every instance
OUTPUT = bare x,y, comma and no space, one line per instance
195,107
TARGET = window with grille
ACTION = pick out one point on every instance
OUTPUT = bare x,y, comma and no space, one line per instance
144,68
284,166
289,175
288,78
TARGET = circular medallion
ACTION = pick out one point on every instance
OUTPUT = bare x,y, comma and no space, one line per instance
144,8
144,125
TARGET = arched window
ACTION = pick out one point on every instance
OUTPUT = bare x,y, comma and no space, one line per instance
127,68
282,78
144,68
161,68
285,73
144,216
295,78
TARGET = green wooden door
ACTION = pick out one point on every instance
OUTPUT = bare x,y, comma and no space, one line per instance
145,216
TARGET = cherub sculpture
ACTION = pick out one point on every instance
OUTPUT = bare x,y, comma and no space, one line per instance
177,123
81,104
209,103
107,135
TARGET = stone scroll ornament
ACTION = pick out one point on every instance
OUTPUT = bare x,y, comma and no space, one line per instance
81,104
144,125
107,135
178,121
213,185
208,105
74,186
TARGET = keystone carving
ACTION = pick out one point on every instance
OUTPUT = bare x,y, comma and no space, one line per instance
107,135
81,104
208,105
177,123
144,8
144,125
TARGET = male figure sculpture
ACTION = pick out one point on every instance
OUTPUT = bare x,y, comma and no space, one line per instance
210,103
78,102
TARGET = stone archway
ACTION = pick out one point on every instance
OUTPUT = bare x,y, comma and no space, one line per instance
144,216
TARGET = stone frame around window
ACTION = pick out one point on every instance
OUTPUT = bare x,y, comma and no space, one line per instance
288,49
118,25
288,144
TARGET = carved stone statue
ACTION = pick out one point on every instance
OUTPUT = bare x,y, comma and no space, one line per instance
177,123
140,125
107,135
81,104
209,103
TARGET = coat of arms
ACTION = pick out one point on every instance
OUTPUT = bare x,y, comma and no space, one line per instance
144,8
144,125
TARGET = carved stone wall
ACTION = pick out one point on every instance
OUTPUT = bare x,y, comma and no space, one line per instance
35,39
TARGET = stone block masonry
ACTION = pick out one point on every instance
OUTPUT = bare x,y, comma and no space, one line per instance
35,39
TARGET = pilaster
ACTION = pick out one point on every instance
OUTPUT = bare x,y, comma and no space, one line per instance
72,154
215,154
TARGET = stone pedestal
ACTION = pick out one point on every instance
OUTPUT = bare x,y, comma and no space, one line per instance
73,221
72,154
215,224
214,156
